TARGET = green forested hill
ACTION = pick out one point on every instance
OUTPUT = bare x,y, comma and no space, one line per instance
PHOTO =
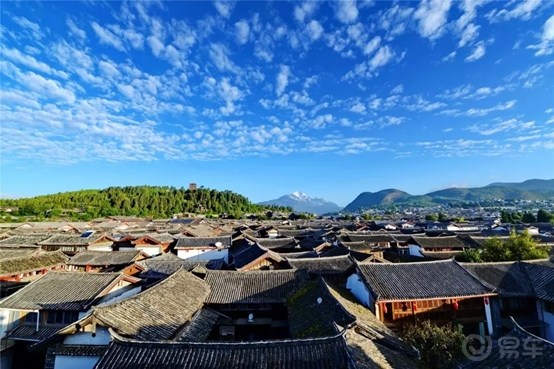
155,201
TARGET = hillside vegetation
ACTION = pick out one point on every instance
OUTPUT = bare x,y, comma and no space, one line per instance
154,201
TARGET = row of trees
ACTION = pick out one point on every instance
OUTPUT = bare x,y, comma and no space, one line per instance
517,247
542,216
155,201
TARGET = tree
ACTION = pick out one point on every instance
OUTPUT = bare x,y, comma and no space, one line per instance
443,217
439,347
495,250
528,217
544,216
523,247
432,217
469,256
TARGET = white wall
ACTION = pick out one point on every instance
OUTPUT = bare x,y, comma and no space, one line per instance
104,247
102,337
75,362
119,294
548,318
356,285
8,320
194,255
150,251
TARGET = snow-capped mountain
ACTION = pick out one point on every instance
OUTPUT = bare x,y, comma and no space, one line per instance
301,202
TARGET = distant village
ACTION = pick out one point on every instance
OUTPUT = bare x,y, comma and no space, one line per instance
277,292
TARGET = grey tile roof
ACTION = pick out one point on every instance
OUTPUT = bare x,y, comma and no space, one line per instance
256,287
202,241
324,265
16,252
507,278
440,242
542,280
162,266
104,258
28,333
322,353
433,279
313,312
277,243
30,239
200,326
159,312
37,261
70,239
74,291
80,350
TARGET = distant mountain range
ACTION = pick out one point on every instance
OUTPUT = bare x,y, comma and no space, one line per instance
303,203
533,189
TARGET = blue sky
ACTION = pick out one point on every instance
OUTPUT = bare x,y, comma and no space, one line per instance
266,98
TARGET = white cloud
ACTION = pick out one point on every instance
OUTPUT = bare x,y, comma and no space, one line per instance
282,80
372,45
469,34
432,16
477,53
224,8
358,108
242,32
47,87
156,45
314,29
219,54
450,56
107,37
34,28
546,46
480,112
397,90
229,94
347,11
304,10
506,125
29,61
75,30
109,69
382,57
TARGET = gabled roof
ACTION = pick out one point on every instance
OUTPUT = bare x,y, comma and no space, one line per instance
277,243
104,258
23,264
71,239
185,242
74,291
324,265
423,280
16,252
24,239
506,278
159,312
164,265
439,242
319,353
253,254
542,280
200,326
256,287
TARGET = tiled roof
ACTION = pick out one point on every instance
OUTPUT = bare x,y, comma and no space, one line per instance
29,333
159,312
200,326
433,279
542,280
37,261
256,287
202,241
313,312
74,291
80,350
164,265
277,243
31,239
439,242
16,252
507,278
370,238
322,353
324,265
104,258
70,240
